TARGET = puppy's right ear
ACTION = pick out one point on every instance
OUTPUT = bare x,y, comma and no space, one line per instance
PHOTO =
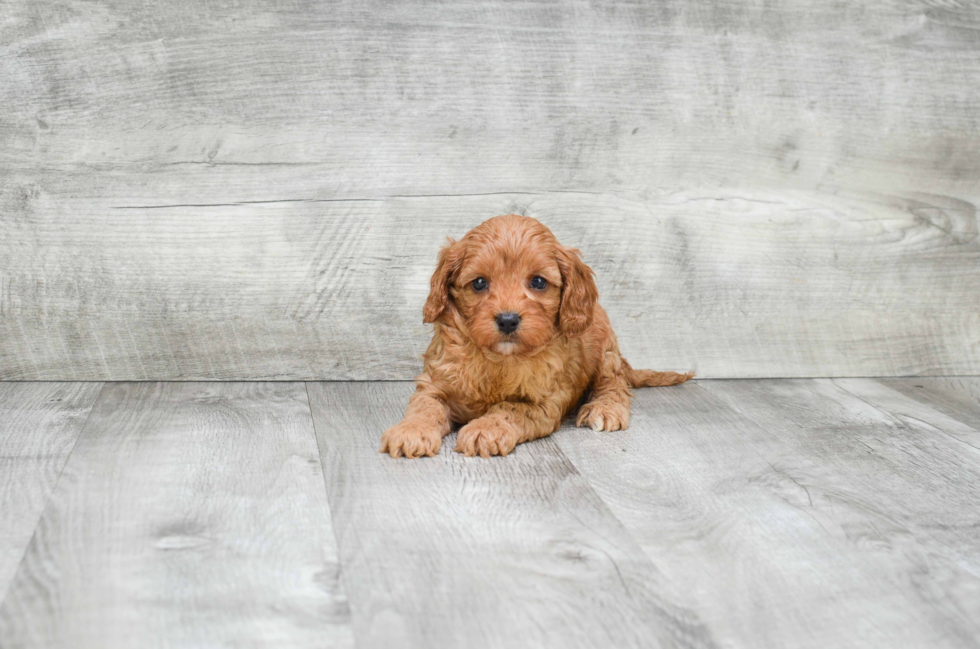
450,260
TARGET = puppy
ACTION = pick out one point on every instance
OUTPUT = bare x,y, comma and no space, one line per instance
519,338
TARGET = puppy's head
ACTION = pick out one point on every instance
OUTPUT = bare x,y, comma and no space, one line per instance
513,285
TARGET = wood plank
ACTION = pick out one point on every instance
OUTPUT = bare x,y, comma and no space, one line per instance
430,98
220,191
914,487
795,514
738,285
39,423
918,411
452,551
188,515
957,397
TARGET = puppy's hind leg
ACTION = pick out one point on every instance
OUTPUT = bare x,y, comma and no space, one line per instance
608,407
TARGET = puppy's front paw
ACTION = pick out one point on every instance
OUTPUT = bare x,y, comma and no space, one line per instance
486,436
411,440
604,415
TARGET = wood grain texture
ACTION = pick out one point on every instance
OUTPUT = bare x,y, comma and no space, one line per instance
957,397
39,423
776,513
255,190
428,97
921,411
898,487
188,515
732,285
796,514
452,551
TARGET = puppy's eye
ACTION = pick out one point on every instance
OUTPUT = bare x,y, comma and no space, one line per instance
479,284
539,283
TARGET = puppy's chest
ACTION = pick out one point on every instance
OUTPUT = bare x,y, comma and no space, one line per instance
476,386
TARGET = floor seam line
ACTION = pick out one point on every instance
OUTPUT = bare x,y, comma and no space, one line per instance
54,487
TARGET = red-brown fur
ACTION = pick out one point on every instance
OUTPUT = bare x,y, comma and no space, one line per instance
563,347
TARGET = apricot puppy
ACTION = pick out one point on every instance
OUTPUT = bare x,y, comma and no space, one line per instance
519,338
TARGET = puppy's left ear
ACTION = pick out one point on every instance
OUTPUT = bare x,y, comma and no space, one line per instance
579,294
450,260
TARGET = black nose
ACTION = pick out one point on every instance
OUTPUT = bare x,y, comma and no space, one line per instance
507,321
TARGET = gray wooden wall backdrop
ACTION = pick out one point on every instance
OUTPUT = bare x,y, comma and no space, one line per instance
244,189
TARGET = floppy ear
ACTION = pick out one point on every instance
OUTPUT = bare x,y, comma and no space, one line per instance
450,259
579,293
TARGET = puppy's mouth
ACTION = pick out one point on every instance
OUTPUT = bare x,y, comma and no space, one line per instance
506,348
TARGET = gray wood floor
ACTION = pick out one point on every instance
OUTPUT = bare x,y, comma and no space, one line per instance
742,513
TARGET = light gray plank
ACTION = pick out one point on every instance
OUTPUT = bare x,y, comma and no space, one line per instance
454,551
957,397
775,189
733,284
426,97
916,411
39,423
189,515
795,514
913,486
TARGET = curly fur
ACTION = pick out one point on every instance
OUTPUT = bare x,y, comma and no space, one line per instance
508,389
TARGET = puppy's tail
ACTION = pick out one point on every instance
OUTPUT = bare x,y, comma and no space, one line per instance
651,379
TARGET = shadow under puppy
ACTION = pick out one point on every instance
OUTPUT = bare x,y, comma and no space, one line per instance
519,338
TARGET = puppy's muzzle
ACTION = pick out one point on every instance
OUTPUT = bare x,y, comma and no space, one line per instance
508,322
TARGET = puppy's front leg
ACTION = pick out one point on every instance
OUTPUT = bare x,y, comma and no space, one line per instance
420,433
506,425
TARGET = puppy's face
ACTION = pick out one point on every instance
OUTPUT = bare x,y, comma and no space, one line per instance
509,295
513,285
